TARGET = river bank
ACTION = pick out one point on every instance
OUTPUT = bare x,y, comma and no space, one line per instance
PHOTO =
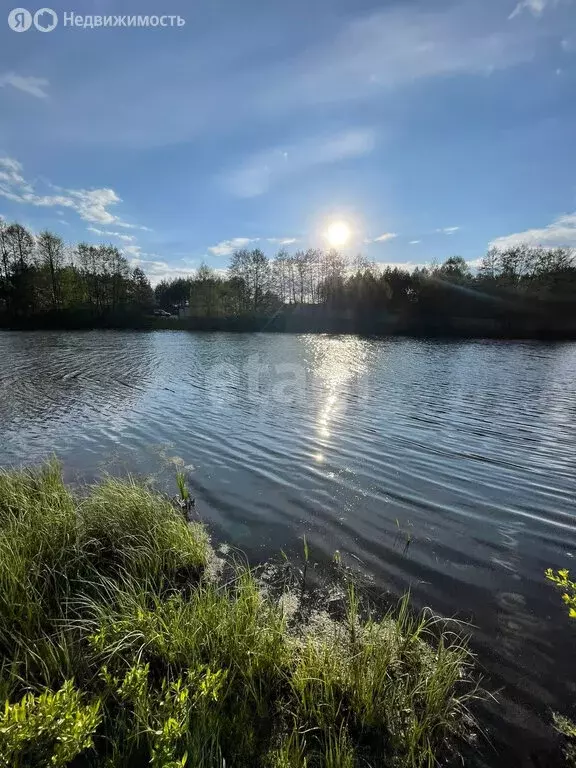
123,647
308,319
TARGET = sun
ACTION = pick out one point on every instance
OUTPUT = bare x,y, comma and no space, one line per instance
338,233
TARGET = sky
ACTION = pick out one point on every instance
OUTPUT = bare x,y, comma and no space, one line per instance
431,128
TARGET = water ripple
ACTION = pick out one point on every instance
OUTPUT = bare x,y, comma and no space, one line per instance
464,450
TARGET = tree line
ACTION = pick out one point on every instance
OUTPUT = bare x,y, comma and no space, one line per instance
41,274
506,281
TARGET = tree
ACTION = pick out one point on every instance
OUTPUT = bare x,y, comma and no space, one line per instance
280,276
173,293
454,268
6,274
91,271
488,269
116,276
513,264
4,256
19,245
50,250
142,295
302,269
206,292
251,271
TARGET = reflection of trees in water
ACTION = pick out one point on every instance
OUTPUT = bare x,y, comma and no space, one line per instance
66,376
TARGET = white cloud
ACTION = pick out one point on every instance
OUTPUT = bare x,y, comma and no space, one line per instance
560,233
10,164
407,266
132,226
535,7
106,233
448,230
381,238
227,247
34,86
157,270
91,205
282,240
11,174
133,250
273,166
415,242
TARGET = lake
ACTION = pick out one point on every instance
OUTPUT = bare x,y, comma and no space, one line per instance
464,451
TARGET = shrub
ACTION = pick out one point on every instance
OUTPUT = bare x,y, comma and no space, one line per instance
565,726
49,729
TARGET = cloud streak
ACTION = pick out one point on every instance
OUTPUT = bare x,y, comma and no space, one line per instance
273,166
535,7
33,86
381,238
227,247
106,233
282,240
560,233
356,59
397,47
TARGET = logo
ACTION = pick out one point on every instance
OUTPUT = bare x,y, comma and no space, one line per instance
19,20
45,20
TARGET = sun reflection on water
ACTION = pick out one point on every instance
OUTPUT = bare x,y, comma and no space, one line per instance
337,365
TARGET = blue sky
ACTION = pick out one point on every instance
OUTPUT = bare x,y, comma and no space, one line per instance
434,128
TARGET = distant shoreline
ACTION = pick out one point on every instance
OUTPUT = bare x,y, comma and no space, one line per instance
291,322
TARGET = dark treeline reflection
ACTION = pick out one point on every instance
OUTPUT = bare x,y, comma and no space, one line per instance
520,290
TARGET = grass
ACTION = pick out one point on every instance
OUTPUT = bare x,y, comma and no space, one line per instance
119,649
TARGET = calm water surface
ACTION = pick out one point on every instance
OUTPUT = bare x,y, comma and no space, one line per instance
466,448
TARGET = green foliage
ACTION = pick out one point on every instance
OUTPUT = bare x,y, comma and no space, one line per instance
182,487
55,547
568,729
39,275
171,668
49,729
145,537
561,580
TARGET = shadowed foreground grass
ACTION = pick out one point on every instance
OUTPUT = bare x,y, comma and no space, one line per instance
119,649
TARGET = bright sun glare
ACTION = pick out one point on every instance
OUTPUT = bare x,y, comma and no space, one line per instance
338,233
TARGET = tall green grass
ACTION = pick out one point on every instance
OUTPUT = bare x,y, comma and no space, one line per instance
119,649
